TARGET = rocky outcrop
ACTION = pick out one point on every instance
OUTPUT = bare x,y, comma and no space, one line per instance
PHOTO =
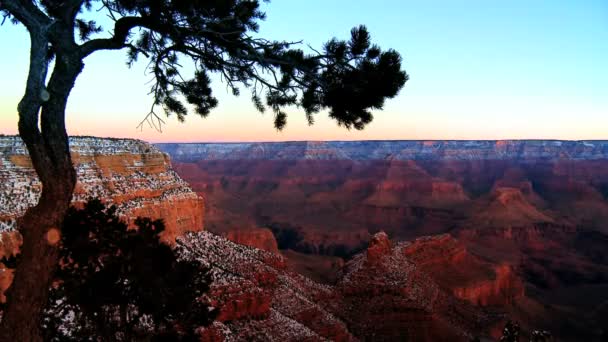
258,298
133,175
464,274
379,247
390,298
508,206
502,289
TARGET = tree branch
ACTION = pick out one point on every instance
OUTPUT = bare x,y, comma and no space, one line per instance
27,13
122,27
73,7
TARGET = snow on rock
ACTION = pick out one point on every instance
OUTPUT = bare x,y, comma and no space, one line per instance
257,297
386,297
131,174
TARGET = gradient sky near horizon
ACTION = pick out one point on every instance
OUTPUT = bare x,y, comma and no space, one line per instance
483,69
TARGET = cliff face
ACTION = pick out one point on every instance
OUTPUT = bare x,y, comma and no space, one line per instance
133,175
261,238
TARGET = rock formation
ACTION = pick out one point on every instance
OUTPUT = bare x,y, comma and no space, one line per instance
381,295
133,175
464,274
261,238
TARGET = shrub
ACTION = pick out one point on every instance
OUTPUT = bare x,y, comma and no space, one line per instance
121,284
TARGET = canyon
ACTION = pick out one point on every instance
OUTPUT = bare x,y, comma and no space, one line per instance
347,241
519,225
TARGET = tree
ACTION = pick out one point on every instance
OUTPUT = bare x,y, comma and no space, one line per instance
348,78
115,283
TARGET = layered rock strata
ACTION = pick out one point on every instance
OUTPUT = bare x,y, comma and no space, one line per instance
133,175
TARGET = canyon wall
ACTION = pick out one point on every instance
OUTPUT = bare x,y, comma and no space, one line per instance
133,175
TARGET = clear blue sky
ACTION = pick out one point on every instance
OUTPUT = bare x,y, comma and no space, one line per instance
479,70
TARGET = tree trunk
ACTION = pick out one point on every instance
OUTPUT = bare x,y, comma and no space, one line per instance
41,225
28,294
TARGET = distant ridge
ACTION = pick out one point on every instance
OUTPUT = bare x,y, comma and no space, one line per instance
392,150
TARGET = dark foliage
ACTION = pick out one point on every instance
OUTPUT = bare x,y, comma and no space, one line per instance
348,77
123,284
541,336
511,332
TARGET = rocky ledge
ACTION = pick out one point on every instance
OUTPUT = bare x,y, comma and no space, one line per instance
131,174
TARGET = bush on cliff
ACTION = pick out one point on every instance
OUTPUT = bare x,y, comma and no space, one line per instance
116,283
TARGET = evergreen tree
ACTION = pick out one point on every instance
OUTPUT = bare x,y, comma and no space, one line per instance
348,78
121,284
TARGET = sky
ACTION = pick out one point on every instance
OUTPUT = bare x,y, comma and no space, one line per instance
516,69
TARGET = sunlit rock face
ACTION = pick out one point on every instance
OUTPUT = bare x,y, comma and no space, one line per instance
133,175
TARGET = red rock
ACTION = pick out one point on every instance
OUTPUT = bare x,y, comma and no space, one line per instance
463,274
379,247
258,300
388,297
504,289
261,238
10,243
6,278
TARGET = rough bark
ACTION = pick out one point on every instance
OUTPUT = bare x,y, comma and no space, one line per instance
28,294
49,151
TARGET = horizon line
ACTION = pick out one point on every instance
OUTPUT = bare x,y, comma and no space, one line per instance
315,140
365,140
